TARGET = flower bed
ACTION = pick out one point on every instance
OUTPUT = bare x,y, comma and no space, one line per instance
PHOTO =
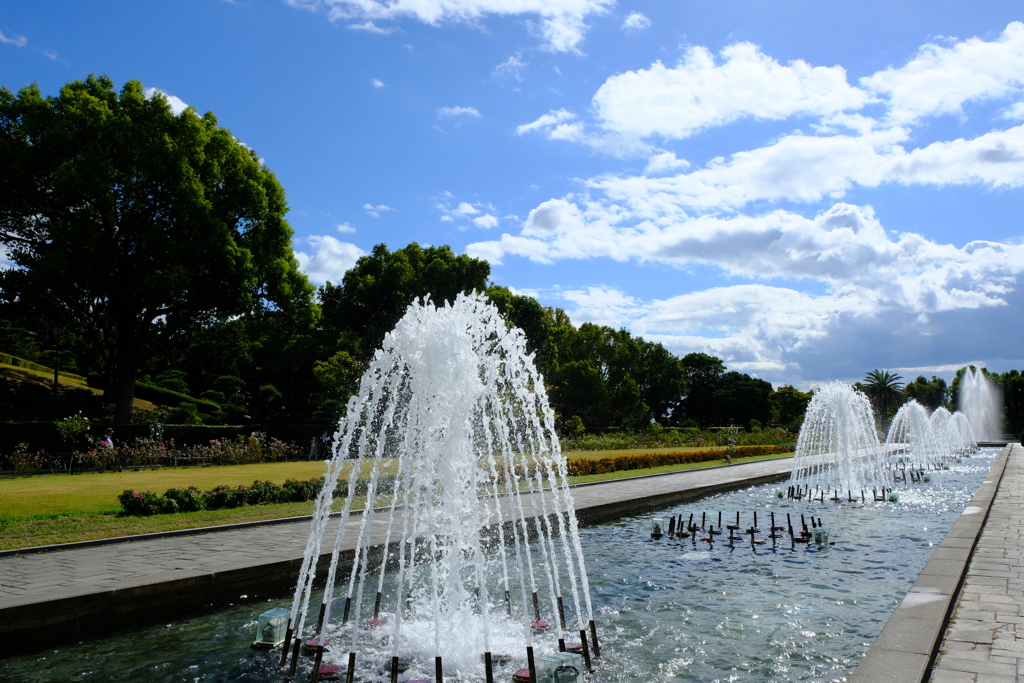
583,466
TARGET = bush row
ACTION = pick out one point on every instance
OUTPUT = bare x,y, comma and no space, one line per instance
29,365
191,499
583,466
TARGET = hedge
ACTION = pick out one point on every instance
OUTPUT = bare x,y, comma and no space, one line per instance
166,397
582,466
22,363
191,499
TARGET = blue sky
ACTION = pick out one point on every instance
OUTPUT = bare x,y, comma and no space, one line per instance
808,190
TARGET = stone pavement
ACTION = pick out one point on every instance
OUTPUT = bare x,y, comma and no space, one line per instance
86,591
984,641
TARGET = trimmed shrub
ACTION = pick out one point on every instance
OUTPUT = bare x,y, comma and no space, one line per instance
191,499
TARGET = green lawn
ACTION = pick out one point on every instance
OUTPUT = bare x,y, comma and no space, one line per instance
48,509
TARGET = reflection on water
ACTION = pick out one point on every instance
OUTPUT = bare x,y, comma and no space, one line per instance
668,610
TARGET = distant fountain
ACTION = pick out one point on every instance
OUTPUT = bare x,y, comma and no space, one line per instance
910,440
838,448
947,436
485,556
981,401
965,433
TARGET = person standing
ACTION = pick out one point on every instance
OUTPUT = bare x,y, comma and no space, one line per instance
108,438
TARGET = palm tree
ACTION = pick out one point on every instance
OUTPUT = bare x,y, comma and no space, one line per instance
885,391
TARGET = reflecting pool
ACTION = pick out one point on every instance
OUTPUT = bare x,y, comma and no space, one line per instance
668,609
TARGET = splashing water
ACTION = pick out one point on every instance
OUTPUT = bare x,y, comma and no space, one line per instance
927,442
838,447
465,471
980,400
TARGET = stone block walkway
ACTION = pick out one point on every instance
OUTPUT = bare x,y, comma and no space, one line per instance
984,642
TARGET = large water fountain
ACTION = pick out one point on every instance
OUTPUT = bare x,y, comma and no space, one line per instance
838,448
981,402
484,558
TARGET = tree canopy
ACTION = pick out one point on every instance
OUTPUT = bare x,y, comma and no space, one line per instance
133,224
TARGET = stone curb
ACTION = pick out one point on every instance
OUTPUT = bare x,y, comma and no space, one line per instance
905,650
56,547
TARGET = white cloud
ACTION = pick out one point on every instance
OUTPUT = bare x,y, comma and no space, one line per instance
377,83
546,122
52,54
560,23
939,80
635,22
487,221
371,27
465,209
511,68
177,106
331,260
13,39
664,162
674,103
345,228
376,211
449,112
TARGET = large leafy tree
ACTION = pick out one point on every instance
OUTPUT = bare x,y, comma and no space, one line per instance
135,224
741,398
929,393
703,377
375,293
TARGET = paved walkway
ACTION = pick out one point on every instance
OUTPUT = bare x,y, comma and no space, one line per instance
984,641
41,590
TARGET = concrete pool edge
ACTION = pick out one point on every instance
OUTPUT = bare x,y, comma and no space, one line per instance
908,644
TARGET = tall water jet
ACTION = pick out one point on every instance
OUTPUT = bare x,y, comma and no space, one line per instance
838,448
910,439
981,401
482,548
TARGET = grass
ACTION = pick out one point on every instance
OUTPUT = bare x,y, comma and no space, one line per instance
49,509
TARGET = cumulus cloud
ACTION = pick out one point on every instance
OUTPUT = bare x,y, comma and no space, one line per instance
635,22
450,112
377,83
331,259
13,39
560,23
939,80
377,210
487,221
177,106
700,93
345,228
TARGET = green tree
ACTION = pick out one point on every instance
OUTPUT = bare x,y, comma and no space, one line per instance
788,406
741,398
703,377
929,393
1012,384
137,223
885,391
375,293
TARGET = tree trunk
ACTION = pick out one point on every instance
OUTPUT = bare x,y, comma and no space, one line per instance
126,364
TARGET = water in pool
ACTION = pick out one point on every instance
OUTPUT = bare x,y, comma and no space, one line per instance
668,610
